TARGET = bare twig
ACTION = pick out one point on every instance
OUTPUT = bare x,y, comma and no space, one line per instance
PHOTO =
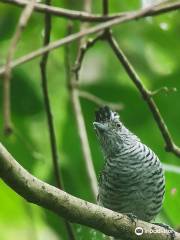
79,114
25,15
87,6
73,91
105,6
171,168
84,142
100,102
65,13
132,16
83,16
51,128
43,67
147,95
82,51
82,42
72,208
163,89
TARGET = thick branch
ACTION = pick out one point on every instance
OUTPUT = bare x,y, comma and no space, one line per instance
72,208
135,15
147,95
83,16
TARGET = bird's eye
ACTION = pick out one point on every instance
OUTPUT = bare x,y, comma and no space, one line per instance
118,125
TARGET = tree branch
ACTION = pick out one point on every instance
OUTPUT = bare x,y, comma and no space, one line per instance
163,89
83,16
25,15
132,16
147,96
65,13
74,95
71,208
100,102
84,142
81,53
105,5
51,128
43,67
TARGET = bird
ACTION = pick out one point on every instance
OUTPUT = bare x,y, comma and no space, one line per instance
132,179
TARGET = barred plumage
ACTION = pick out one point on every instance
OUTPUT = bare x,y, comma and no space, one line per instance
132,180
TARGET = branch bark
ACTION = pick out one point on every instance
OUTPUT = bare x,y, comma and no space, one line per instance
71,208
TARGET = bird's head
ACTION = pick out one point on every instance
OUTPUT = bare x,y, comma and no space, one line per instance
109,129
107,122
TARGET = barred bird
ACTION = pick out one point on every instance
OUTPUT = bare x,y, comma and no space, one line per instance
132,180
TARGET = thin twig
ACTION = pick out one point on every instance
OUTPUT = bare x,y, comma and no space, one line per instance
25,15
146,94
82,51
162,89
105,5
43,67
64,13
51,128
84,142
74,94
72,208
83,16
100,102
82,41
171,168
105,10
87,6
132,16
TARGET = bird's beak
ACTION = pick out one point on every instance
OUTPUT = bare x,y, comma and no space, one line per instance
99,126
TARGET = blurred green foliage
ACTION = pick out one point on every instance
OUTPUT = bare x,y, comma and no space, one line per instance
152,46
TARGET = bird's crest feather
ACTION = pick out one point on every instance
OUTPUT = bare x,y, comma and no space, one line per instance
104,114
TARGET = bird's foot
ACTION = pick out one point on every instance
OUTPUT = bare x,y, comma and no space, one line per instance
132,217
168,228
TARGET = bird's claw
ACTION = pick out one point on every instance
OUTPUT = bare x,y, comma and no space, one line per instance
132,217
